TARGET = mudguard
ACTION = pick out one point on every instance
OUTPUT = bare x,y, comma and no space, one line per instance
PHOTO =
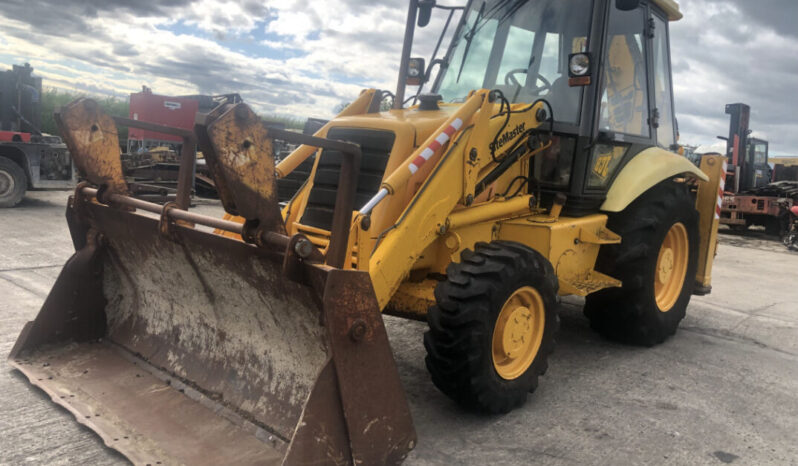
646,169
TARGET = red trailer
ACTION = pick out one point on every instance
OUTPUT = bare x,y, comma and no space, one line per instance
152,171
178,112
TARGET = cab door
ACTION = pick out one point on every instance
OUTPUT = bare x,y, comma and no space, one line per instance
636,94
624,101
662,116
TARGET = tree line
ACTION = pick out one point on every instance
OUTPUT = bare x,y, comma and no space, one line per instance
53,99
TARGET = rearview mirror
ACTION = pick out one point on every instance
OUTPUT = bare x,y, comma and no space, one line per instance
415,72
627,5
425,12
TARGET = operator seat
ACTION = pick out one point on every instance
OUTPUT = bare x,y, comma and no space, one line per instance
563,98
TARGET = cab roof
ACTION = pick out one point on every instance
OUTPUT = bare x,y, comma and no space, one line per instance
671,8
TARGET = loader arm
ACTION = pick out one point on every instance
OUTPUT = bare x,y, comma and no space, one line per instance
470,156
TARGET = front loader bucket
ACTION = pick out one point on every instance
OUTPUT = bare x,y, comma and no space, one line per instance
180,346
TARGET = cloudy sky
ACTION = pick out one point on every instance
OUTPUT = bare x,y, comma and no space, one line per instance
303,58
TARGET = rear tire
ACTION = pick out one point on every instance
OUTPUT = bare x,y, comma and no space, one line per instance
12,183
648,307
484,366
776,226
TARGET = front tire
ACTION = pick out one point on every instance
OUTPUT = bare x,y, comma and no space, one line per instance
493,326
656,261
12,183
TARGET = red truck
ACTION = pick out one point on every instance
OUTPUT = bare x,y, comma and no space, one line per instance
29,159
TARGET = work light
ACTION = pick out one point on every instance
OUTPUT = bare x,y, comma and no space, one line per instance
578,64
579,69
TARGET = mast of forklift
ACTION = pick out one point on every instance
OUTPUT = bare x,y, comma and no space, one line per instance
737,142
748,157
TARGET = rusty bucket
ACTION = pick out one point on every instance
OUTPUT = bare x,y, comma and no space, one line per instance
181,346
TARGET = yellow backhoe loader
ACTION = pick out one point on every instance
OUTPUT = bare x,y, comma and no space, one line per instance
541,164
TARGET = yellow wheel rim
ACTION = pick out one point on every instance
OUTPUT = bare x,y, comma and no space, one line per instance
671,267
518,333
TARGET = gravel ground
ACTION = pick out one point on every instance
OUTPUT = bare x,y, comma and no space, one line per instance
723,390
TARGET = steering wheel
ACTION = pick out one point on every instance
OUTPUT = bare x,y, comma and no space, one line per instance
511,80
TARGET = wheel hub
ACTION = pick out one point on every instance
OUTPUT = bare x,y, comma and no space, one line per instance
6,183
665,266
518,333
671,268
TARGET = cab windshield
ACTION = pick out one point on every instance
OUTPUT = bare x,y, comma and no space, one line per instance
520,47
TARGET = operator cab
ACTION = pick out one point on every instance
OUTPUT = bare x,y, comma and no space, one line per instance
606,75
758,155
747,156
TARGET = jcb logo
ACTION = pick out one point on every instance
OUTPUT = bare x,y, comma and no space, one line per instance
602,166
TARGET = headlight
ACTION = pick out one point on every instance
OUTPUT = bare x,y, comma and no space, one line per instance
579,64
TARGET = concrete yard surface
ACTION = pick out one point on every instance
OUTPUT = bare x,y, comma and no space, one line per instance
723,390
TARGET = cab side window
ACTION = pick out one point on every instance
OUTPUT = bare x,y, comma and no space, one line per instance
624,99
662,85
760,154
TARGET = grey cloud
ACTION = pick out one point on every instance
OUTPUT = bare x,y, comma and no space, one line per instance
721,57
125,50
680,66
778,15
256,8
65,17
754,61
